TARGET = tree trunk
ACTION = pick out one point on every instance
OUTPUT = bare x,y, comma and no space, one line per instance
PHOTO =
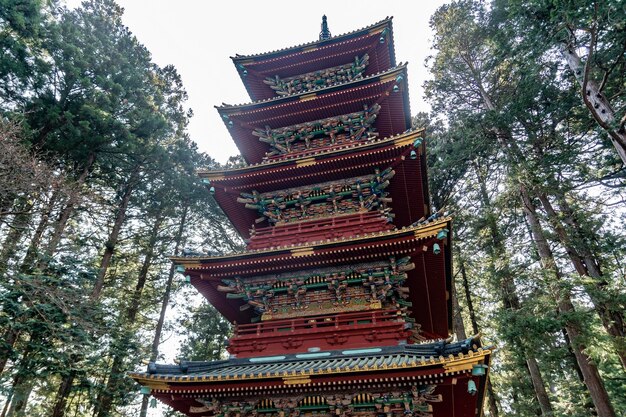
109,246
31,253
67,211
612,320
597,103
468,298
10,396
509,298
10,337
503,136
156,341
616,320
11,242
21,387
12,333
63,393
116,375
588,403
9,249
590,372
539,387
20,400
68,380
457,319
492,399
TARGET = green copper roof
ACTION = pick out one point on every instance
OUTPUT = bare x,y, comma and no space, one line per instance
345,361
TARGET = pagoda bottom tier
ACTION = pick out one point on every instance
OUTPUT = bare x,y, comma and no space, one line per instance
437,379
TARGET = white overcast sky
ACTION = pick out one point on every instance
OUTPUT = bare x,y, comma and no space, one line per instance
199,36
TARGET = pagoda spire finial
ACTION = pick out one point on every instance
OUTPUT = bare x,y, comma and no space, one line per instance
325,33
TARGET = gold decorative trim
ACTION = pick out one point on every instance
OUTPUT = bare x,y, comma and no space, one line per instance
308,97
388,77
212,175
302,252
155,384
377,30
427,232
466,364
186,264
406,140
296,381
305,162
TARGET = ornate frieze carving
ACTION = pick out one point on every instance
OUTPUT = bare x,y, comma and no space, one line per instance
318,79
412,401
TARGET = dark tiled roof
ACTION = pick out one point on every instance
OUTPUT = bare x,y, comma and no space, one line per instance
332,39
344,360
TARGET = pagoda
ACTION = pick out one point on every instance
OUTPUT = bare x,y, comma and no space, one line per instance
341,302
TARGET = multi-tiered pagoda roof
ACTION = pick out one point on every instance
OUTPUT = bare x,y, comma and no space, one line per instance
341,301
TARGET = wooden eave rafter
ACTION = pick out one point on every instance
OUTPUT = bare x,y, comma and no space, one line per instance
419,232
281,101
345,152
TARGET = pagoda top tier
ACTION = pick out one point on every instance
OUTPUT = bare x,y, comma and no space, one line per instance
375,40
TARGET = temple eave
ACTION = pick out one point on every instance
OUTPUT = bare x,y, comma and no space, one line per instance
231,372
382,77
417,232
388,89
359,160
398,141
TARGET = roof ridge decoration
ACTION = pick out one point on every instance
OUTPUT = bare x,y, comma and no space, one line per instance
325,33
382,22
400,67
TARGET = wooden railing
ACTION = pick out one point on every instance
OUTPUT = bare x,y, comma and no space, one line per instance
306,324
319,229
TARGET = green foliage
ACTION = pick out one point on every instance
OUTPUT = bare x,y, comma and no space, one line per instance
507,116
22,29
206,334
85,96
